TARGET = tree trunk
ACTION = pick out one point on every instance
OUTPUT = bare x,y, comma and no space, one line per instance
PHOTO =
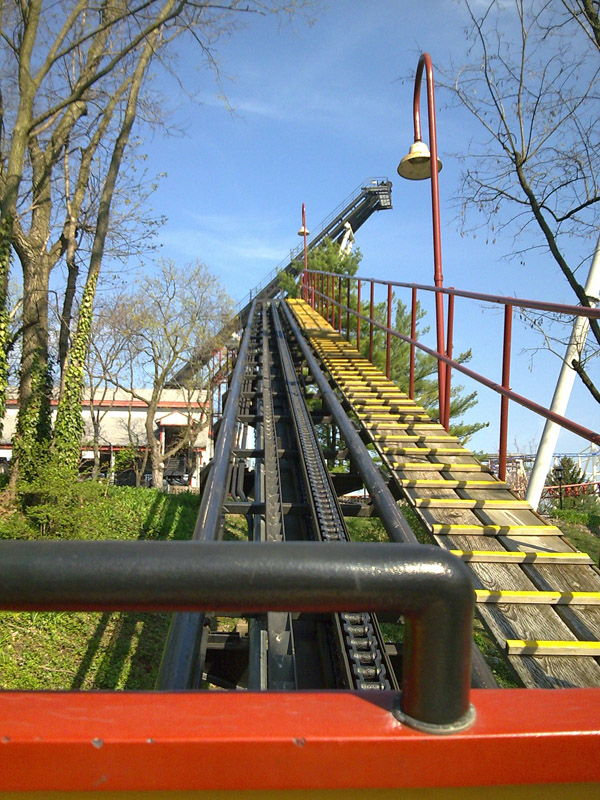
5,236
156,455
34,423
69,420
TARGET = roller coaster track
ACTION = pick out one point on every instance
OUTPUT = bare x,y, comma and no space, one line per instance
287,496
536,596
296,379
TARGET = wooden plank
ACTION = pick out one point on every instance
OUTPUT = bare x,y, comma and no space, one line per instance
436,466
457,502
500,556
537,597
495,530
426,483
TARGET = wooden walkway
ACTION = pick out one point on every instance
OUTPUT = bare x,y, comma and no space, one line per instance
537,596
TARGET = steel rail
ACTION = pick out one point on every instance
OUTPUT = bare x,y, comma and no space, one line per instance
360,635
179,667
531,405
281,651
431,588
392,518
539,305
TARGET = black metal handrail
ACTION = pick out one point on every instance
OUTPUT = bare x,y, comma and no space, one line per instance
431,588
179,663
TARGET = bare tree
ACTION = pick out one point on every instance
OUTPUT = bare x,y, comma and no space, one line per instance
161,326
532,84
73,74
104,358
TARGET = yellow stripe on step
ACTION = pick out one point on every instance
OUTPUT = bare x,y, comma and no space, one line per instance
537,598
542,647
458,502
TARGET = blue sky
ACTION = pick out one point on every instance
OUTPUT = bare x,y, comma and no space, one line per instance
311,111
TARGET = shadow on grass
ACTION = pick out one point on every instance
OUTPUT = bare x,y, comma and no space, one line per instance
137,639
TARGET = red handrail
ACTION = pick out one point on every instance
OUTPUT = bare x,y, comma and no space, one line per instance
503,389
538,305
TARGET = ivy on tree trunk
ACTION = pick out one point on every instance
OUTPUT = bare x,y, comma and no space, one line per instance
5,235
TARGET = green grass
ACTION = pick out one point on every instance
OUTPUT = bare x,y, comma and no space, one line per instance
92,650
582,526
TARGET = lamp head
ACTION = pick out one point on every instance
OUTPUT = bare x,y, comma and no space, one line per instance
416,166
303,231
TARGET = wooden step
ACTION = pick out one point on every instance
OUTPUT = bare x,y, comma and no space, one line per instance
425,438
458,502
495,530
424,483
439,466
422,451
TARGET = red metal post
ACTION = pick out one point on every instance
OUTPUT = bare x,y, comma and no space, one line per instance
332,302
340,305
425,62
371,312
358,320
327,304
348,309
388,343
413,336
322,289
449,354
508,313
303,231
333,323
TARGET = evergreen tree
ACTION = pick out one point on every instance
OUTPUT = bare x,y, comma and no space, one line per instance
567,474
328,258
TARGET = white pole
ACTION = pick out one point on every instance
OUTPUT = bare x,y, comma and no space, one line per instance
563,389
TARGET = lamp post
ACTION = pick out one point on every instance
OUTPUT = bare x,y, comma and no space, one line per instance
304,233
416,166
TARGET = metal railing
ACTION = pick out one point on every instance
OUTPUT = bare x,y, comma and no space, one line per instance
430,587
295,254
325,291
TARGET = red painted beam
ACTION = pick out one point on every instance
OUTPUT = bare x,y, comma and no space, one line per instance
164,741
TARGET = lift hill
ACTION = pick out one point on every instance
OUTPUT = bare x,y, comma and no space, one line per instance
315,602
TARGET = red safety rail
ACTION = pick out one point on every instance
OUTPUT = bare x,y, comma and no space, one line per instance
140,741
323,290
572,489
